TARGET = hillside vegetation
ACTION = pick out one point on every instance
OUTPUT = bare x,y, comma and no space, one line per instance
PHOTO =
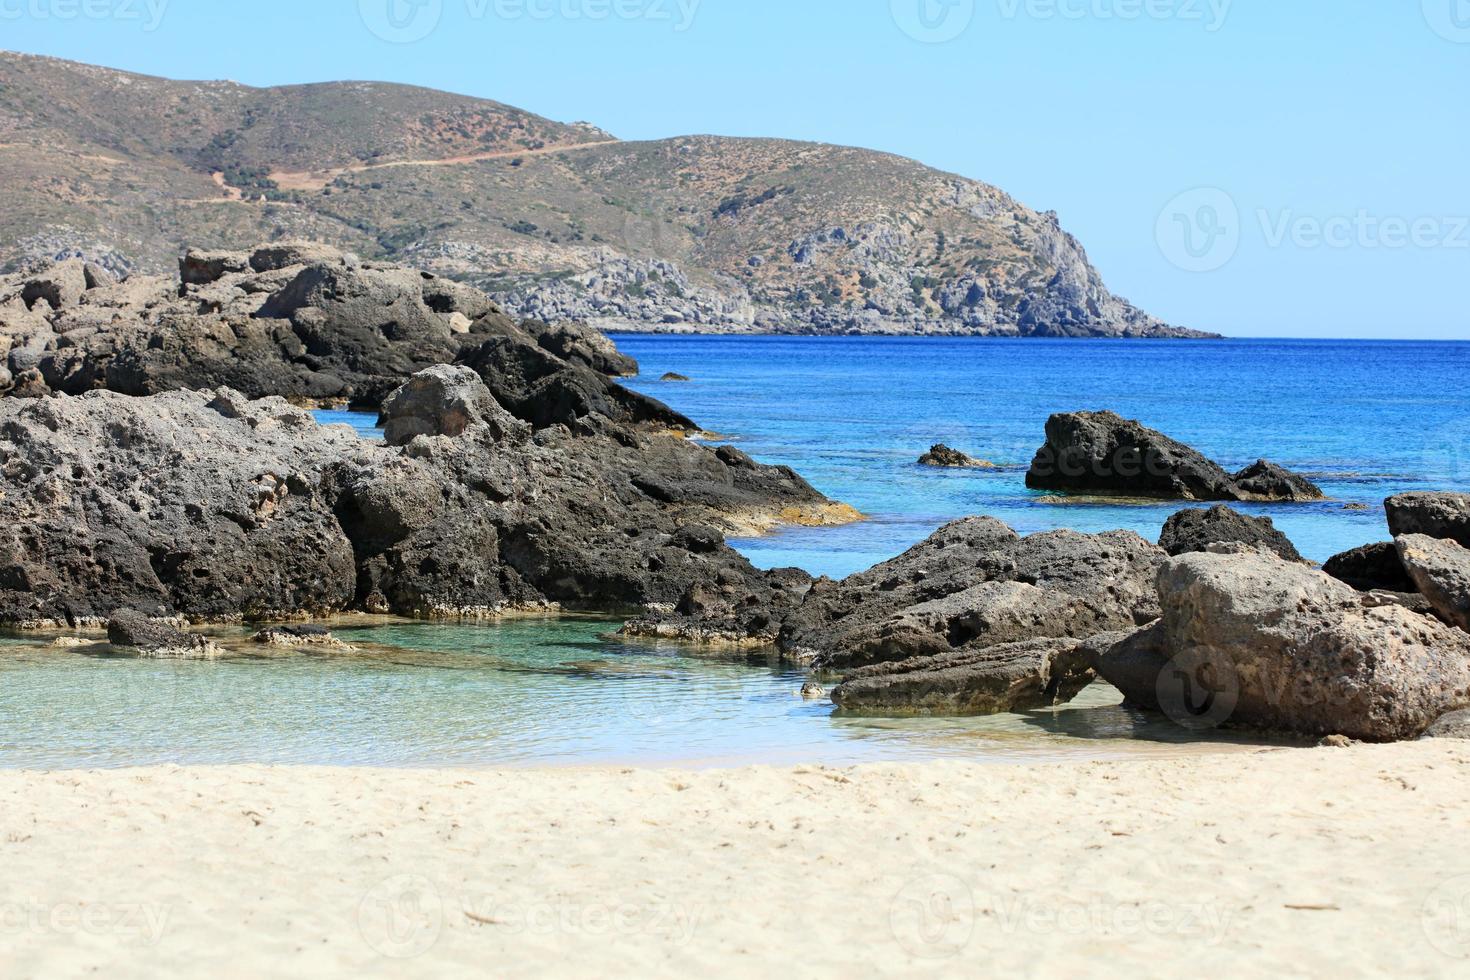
559,221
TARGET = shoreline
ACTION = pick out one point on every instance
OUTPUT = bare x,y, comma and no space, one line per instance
1286,860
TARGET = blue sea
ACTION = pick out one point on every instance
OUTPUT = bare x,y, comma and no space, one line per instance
1365,420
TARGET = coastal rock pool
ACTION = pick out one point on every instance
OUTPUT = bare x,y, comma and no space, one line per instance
529,692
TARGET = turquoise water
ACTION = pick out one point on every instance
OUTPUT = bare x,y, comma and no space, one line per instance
852,414
1364,419
527,692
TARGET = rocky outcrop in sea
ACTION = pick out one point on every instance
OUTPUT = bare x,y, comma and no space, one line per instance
1104,453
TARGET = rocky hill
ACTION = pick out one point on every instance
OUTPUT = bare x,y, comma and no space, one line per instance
557,221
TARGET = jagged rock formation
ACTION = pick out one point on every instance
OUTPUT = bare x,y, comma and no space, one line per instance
299,320
1104,453
212,506
1196,530
559,222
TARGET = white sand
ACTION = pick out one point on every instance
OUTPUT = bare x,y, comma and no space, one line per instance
1304,862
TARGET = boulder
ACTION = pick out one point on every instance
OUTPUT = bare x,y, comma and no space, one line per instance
1456,724
545,390
1441,570
973,681
199,267
674,377
1196,530
976,583
57,287
1248,639
197,504
580,344
1103,453
943,456
284,255
446,400
1372,568
135,631
1438,515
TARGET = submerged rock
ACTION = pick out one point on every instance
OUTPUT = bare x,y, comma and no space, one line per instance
1441,570
674,377
943,456
1195,530
1247,639
1103,453
298,636
130,628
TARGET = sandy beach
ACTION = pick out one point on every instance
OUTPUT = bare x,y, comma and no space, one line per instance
1349,862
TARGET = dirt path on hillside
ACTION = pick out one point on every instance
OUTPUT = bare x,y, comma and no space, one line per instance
315,180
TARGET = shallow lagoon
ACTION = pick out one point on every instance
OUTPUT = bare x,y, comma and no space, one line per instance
852,414
552,691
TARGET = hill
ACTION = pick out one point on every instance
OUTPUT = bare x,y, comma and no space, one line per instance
558,221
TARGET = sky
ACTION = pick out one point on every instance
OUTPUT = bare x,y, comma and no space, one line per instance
1255,167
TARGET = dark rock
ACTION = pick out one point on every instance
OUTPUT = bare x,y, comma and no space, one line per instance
976,680
1441,570
1195,530
130,628
294,320
195,504
1103,453
1372,568
672,376
545,390
943,456
214,507
578,343
976,583
1437,515
1250,640
1267,481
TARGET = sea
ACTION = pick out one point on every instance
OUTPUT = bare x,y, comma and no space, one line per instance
1365,420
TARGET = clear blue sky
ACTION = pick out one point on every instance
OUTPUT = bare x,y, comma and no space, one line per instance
1346,120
